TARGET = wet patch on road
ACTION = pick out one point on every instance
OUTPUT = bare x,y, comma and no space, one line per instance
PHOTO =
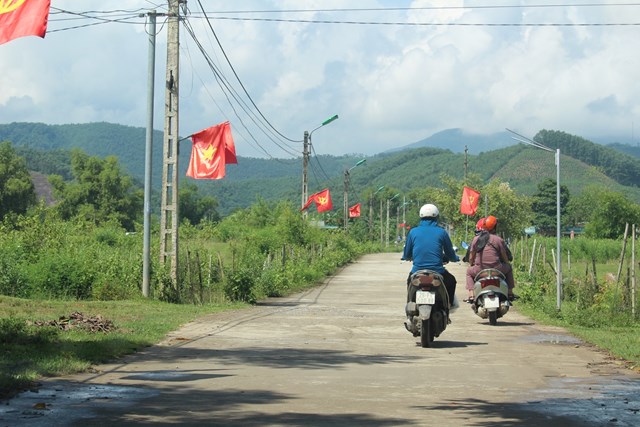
551,339
62,403
598,401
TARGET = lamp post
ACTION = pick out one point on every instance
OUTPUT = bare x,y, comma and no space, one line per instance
388,201
305,160
371,211
528,141
346,192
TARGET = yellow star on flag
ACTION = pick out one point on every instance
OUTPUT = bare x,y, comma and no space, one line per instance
209,152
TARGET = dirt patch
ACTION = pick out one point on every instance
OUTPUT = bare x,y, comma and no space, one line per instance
78,320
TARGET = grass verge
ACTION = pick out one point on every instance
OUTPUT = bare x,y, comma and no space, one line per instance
33,345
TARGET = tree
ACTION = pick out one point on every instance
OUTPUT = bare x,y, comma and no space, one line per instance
545,206
17,192
512,211
99,192
195,207
610,211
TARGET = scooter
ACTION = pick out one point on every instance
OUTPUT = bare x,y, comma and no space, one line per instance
491,295
427,309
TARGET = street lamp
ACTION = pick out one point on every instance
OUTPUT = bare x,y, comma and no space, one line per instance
371,211
528,141
305,159
346,192
389,200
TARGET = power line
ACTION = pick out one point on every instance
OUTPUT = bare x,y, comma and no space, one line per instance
229,91
465,7
240,81
435,24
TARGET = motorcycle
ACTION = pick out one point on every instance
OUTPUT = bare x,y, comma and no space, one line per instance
427,309
491,295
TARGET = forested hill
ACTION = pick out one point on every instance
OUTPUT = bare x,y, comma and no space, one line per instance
45,147
622,168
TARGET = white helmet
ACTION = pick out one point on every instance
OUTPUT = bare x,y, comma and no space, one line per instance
429,211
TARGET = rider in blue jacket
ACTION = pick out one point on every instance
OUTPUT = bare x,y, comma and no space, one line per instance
428,246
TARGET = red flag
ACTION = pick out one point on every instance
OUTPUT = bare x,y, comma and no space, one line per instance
354,211
21,18
213,148
469,203
322,200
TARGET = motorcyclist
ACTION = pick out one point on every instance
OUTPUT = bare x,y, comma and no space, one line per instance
488,250
428,245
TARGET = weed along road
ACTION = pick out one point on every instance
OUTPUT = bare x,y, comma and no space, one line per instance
339,355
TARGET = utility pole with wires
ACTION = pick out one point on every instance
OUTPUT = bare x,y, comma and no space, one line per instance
305,165
169,207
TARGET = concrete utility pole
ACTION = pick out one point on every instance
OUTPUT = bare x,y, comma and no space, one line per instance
151,60
305,165
169,209
466,164
345,205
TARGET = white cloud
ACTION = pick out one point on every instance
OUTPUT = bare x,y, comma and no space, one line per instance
390,84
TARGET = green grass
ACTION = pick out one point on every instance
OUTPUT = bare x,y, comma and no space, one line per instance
30,352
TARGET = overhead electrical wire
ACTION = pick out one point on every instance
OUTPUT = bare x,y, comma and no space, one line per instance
229,91
240,81
465,7
434,24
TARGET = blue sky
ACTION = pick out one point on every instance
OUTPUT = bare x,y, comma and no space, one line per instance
474,65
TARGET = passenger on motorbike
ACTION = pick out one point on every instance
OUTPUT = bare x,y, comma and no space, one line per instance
488,250
428,246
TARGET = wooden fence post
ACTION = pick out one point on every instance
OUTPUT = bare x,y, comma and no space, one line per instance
533,252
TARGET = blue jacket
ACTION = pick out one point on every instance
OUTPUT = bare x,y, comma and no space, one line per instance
426,245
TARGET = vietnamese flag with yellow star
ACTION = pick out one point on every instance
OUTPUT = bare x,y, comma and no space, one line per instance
213,148
21,18
322,199
469,202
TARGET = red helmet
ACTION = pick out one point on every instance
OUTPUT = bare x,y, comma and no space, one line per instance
490,223
480,224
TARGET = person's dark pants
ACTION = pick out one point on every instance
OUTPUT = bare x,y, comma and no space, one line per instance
449,283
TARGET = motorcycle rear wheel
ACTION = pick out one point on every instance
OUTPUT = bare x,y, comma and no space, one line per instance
426,334
493,317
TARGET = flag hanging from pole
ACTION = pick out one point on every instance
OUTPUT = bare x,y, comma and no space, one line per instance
354,211
469,203
21,18
322,199
213,148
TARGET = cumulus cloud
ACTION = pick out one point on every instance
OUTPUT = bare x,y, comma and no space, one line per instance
478,69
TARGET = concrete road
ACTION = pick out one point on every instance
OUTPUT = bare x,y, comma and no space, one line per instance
339,355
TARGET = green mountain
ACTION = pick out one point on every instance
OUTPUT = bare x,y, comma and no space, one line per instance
45,147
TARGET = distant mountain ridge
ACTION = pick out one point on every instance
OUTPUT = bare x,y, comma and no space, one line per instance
458,140
417,164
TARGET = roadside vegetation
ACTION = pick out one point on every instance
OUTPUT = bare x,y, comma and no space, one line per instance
596,304
71,273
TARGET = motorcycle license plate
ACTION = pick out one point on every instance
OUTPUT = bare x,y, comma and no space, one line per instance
425,297
492,302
